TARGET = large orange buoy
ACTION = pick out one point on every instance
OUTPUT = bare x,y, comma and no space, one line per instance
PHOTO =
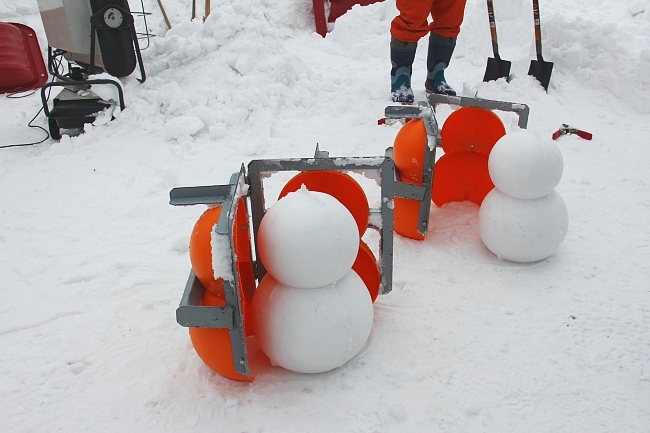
366,267
471,129
213,344
406,215
409,150
201,250
461,176
467,137
339,185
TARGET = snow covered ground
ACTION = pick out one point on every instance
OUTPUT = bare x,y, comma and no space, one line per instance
94,260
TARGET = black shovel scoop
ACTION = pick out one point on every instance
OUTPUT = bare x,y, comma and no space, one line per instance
496,66
539,68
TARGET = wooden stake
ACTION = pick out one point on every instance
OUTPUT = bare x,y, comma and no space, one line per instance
207,9
162,9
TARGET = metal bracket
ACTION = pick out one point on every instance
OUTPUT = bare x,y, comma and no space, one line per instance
189,312
521,110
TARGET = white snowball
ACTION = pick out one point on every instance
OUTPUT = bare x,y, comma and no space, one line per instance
522,230
523,165
312,330
308,239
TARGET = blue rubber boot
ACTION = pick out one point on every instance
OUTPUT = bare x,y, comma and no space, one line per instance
402,55
440,50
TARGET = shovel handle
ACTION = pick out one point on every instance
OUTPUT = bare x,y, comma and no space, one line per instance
207,10
493,29
538,30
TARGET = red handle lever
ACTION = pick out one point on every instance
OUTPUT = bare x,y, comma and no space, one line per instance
584,134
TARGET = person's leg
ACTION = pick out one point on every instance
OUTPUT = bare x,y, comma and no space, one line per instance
402,55
406,30
447,17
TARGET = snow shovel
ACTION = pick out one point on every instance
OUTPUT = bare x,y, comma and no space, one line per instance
496,66
539,68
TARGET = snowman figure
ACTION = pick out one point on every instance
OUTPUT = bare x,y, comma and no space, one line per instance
524,219
311,312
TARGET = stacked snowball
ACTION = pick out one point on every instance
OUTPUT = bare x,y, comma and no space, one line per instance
311,312
523,219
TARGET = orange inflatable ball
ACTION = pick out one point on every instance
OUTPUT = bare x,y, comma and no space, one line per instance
409,149
471,129
366,267
213,344
201,249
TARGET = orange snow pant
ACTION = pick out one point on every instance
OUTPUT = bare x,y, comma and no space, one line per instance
412,22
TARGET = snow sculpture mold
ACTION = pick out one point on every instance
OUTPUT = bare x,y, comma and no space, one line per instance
218,303
467,137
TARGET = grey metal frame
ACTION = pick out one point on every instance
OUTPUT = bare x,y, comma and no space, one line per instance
383,166
521,110
189,313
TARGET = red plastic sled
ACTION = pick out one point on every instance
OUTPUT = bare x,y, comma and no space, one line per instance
471,129
21,62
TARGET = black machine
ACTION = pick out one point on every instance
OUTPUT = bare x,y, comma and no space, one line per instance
93,36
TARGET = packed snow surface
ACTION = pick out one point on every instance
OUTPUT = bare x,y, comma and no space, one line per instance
94,259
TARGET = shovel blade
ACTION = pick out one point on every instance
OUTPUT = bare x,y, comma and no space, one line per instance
497,68
542,71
